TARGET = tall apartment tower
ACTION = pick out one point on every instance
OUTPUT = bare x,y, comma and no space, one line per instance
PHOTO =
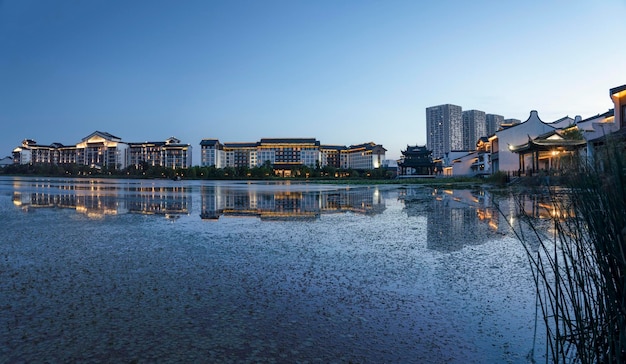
473,128
444,129
493,122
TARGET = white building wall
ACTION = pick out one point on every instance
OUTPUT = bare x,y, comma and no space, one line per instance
25,155
121,155
463,166
516,135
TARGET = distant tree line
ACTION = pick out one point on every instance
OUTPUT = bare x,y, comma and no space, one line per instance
144,170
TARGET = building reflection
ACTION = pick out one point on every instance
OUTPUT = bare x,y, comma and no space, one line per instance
98,201
455,218
458,218
271,204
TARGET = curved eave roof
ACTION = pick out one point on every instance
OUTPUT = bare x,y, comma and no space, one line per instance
548,144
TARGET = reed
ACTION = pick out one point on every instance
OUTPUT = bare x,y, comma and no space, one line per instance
579,267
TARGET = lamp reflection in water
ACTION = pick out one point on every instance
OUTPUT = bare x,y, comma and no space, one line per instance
96,202
287,204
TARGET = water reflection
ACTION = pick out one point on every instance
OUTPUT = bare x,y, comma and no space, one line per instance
97,199
280,204
462,217
455,218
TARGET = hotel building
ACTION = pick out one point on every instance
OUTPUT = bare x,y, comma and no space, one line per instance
284,153
101,149
170,153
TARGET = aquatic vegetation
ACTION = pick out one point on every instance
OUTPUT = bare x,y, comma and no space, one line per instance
580,268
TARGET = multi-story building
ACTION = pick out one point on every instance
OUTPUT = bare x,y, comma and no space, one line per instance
493,123
363,156
101,149
212,153
175,154
331,155
473,128
170,153
55,153
285,153
444,129
240,155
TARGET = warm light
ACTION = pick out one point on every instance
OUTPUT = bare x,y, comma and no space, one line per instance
620,94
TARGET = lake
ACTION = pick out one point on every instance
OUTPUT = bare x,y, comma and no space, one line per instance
116,270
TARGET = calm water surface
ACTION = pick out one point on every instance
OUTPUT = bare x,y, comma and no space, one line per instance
193,271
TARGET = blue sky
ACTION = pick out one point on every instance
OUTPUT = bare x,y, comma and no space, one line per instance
344,72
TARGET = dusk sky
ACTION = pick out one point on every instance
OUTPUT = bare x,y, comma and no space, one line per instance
344,72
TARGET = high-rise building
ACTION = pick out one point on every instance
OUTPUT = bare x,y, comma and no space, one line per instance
473,128
493,123
444,129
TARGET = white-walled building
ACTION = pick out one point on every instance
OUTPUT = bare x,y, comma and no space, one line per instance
101,149
240,155
595,130
170,153
363,156
212,153
618,96
284,153
503,159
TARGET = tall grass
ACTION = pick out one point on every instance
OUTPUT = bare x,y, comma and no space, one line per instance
579,268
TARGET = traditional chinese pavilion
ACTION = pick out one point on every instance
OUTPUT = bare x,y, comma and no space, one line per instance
416,160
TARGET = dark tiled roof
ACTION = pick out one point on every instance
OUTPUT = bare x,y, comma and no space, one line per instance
138,144
289,141
240,145
103,134
617,89
607,114
209,142
368,146
333,147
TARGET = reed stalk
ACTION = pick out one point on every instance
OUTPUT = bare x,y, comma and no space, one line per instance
579,268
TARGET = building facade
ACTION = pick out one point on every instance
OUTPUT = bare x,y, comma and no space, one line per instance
101,149
331,155
104,150
474,127
363,156
618,96
416,160
444,129
240,155
170,153
516,134
212,153
285,153
493,123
